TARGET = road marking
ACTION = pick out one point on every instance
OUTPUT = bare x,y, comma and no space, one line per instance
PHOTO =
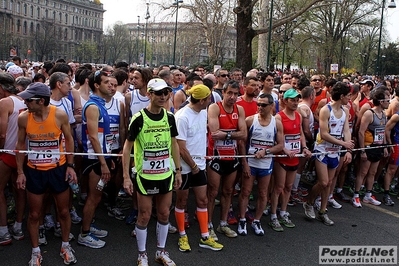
378,208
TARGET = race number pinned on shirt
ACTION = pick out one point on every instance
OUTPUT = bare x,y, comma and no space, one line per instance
108,142
379,134
293,143
156,162
257,145
43,146
333,147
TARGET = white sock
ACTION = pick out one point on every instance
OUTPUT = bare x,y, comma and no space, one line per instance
162,234
141,237
3,230
296,182
64,244
17,226
37,249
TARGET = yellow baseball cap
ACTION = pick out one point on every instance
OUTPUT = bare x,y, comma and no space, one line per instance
199,91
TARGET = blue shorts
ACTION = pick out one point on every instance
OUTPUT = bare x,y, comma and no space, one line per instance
331,163
38,181
259,172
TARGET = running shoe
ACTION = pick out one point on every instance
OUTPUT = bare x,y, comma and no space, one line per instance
257,227
392,191
42,237
275,225
317,204
286,221
212,234
132,217
142,260
97,232
172,229
186,220
163,258
5,239
226,231
231,219
91,241
388,201
303,192
250,218
17,234
75,218
266,211
49,222
116,213
183,244
133,233
333,203
210,243
217,202
309,210
356,202
67,253
371,200
297,198
36,259
58,233
242,228
323,217
341,196
291,202
377,188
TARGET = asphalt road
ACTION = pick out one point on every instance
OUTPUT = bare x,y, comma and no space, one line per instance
369,225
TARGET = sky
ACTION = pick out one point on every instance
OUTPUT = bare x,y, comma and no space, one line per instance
127,11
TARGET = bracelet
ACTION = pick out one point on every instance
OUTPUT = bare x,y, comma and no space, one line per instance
194,166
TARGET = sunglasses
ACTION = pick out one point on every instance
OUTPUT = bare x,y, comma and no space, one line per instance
223,75
159,93
263,104
282,92
29,100
315,80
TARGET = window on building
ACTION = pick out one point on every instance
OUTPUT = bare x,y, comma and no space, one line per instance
31,11
66,18
11,6
18,26
65,34
38,12
46,13
25,9
60,16
18,7
24,30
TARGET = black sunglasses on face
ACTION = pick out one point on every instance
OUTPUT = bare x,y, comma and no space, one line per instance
224,75
159,93
32,99
315,80
264,104
282,92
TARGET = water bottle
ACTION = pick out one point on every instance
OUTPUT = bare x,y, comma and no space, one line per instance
134,173
100,185
74,186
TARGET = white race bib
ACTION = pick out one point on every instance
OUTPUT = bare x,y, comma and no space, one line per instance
156,162
44,146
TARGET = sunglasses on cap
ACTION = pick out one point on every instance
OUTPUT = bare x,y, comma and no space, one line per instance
159,93
264,104
29,100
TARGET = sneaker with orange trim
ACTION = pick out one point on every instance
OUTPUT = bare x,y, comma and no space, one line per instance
67,253
356,202
36,259
231,219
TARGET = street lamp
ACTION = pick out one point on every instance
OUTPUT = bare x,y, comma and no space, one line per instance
390,5
147,16
177,14
269,38
138,37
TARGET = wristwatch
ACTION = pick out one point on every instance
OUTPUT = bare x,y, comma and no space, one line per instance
72,165
178,169
228,136
267,151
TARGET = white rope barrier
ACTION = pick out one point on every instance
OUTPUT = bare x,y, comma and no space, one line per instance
194,156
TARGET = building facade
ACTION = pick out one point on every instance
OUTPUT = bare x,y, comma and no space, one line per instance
191,44
40,30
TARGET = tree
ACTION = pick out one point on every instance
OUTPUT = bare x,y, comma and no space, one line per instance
117,39
389,63
45,39
246,32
